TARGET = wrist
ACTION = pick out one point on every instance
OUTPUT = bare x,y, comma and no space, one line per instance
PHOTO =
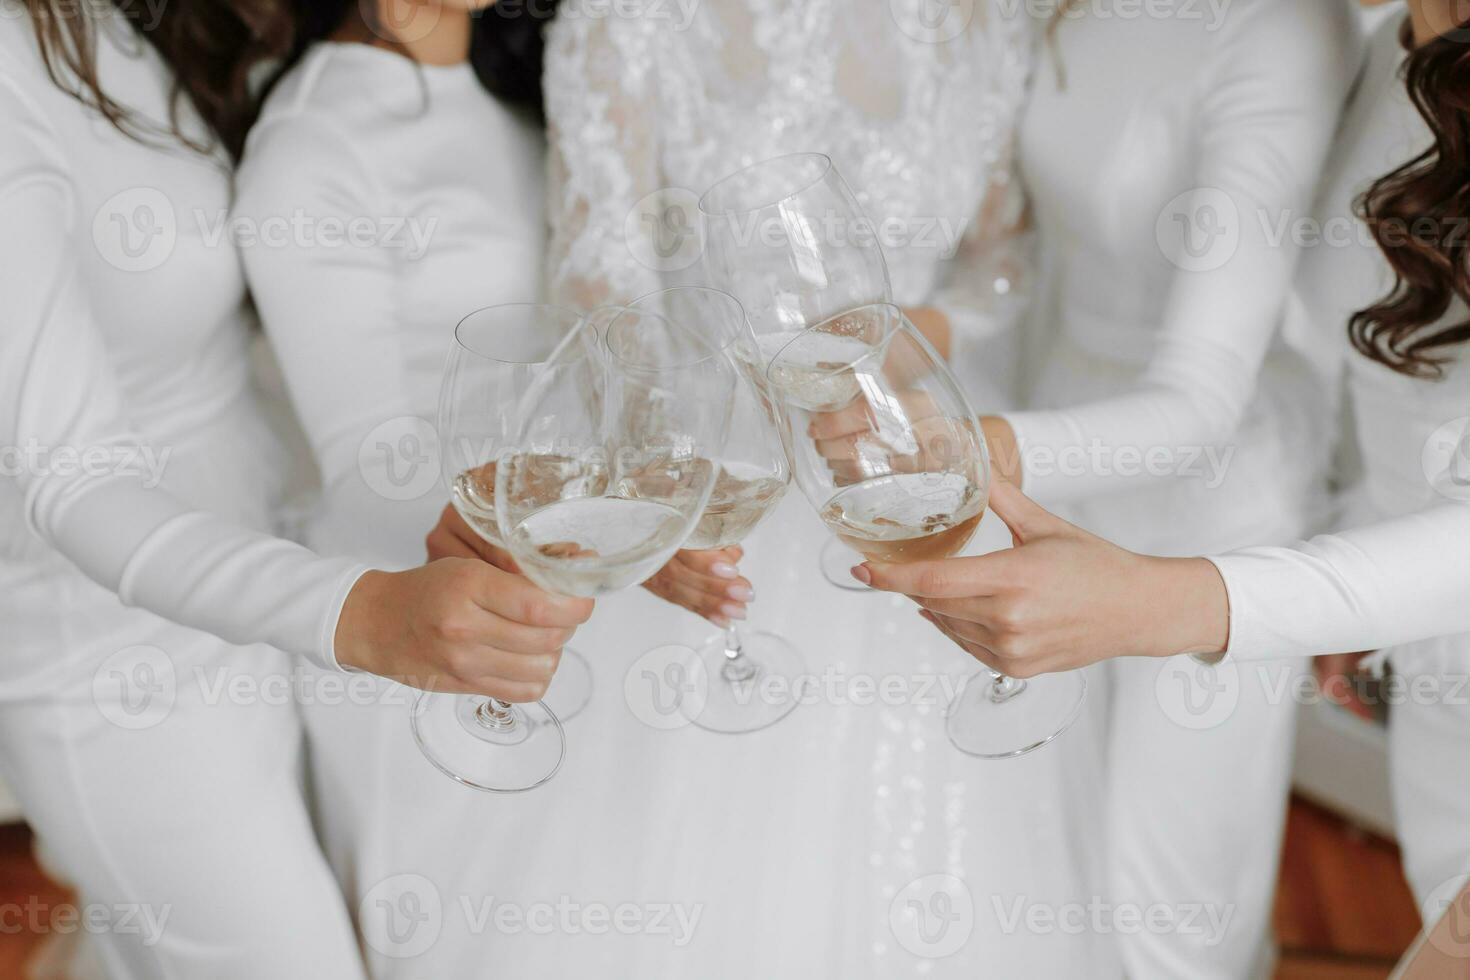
358,633
1194,606
1005,456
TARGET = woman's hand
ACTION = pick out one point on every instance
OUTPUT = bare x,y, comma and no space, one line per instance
1062,598
706,583
453,538
459,626
1005,454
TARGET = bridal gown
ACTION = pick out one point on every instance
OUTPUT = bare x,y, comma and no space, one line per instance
161,778
787,853
817,847
1159,155
1396,576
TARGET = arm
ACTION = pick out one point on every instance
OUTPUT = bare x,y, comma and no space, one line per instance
1266,122
451,625
1372,587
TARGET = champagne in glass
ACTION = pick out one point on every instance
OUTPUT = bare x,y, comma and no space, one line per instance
788,239
753,677
497,353
890,454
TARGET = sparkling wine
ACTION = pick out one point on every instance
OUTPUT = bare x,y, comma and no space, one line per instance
907,516
539,476
742,497
588,546
474,498
815,374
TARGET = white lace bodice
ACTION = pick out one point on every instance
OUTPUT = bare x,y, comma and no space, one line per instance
917,116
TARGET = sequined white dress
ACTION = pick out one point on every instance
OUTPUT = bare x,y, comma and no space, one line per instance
850,840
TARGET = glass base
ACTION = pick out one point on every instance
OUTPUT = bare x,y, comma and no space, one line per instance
837,560
467,742
571,687
733,705
1016,717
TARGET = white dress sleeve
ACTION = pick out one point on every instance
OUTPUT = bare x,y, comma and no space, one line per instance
1265,121
1370,588
58,392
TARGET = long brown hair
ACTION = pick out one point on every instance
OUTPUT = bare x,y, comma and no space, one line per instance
210,46
1420,216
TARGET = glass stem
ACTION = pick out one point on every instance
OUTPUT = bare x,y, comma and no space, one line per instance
738,667
1003,688
496,715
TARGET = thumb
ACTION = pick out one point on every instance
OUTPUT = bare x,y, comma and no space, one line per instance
1026,518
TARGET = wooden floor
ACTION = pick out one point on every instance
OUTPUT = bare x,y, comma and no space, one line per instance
1343,910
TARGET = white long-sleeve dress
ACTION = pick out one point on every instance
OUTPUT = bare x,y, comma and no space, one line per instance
137,487
819,847
1159,153
1396,577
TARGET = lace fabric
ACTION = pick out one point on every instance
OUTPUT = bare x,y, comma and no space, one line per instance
645,112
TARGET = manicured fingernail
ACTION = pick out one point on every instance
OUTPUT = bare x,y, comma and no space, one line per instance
724,570
732,610
742,592
861,573
720,621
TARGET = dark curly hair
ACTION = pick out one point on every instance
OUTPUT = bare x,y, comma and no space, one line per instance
1420,215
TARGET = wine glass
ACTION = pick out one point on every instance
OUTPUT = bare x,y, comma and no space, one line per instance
889,452
788,239
754,472
613,464
496,355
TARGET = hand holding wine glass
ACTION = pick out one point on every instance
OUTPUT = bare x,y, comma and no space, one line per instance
458,626
895,462
1062,598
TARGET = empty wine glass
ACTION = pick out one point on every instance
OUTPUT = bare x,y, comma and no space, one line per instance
788,239
889,452
496,355
752,678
